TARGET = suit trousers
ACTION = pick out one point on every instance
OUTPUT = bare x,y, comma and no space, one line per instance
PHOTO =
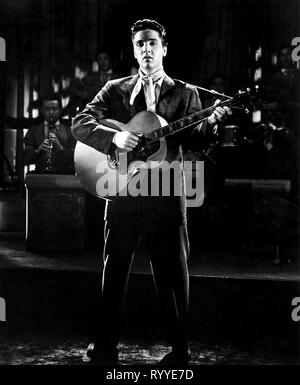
168,252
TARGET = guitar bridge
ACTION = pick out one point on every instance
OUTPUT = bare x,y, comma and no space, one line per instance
112,160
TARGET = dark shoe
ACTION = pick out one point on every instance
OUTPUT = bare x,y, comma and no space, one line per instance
101,356
177,358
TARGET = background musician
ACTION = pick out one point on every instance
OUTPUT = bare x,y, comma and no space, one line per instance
50,142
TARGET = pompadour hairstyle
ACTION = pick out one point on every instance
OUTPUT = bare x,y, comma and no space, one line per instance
141,25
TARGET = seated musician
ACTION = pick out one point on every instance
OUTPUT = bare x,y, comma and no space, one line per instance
50,145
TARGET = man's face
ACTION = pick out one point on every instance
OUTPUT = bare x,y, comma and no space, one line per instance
103,61
51,110
285,58
217,84
148,50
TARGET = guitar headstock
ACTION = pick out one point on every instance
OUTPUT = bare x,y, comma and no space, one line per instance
247,99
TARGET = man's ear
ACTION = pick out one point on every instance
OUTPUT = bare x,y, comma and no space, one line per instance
165,50
133,50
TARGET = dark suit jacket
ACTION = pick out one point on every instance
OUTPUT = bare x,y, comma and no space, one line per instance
177,100
63,159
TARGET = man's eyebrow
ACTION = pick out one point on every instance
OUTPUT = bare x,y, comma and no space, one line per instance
151,39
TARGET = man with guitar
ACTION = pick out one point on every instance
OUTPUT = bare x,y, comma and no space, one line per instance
123,118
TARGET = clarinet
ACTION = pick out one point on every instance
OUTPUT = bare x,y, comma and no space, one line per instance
49,157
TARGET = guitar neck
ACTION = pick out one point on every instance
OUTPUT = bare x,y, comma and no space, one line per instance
181,124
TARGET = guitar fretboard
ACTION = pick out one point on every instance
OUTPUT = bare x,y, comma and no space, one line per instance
180,124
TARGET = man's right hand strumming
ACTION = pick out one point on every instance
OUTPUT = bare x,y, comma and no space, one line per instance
126,140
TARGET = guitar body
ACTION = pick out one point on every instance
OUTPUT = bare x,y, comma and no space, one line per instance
107,176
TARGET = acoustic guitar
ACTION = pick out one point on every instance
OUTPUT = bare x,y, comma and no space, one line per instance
108,176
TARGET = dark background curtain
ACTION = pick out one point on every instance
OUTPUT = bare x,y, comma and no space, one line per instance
47,39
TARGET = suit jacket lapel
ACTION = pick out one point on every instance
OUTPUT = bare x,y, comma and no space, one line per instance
61,133
167,84
40,133
129,85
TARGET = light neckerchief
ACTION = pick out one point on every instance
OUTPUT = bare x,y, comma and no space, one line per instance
148,82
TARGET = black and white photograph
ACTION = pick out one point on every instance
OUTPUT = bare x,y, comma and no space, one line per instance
149,186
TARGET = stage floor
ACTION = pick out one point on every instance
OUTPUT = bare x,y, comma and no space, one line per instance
70,350
240,307
237,261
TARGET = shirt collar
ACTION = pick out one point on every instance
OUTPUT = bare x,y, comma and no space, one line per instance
157,76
